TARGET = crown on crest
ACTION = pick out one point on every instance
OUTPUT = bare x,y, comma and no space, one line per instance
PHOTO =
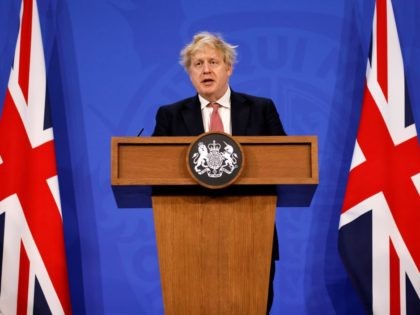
214,146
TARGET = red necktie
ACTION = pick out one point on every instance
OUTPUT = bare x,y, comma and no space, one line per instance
215,120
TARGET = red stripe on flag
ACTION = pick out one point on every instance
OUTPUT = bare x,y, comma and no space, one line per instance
394,285
25,48
22,299
382,45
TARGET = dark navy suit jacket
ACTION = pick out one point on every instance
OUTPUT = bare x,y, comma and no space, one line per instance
250,116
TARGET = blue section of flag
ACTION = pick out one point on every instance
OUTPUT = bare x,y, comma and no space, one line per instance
413,300
355,247
409,117
47,112
40,303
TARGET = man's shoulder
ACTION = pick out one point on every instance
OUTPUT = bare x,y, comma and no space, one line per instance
178,105
253,99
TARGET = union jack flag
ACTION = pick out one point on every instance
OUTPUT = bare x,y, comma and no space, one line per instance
33,272
379,238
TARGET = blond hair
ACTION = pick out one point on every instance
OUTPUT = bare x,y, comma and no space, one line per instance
211,40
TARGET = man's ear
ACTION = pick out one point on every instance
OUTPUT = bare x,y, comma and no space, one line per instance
229,70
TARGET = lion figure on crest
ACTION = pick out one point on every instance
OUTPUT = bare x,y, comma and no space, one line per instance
200,159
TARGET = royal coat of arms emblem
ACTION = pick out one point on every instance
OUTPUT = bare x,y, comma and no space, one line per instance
215,159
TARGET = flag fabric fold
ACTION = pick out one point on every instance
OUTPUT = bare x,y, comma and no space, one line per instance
379,238
33,271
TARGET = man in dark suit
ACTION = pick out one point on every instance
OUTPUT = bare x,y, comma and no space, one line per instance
209,61
250,116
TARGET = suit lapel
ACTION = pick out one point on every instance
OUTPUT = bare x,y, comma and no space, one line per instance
239,114
192,117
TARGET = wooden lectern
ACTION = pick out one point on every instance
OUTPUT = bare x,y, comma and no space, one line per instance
214,246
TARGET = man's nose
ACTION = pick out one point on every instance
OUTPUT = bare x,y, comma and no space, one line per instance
206,67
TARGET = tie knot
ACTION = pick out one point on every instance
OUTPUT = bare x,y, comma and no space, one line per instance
214,105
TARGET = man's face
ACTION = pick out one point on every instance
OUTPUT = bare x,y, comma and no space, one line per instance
209,73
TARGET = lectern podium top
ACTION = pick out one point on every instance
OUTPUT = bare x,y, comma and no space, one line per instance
270,160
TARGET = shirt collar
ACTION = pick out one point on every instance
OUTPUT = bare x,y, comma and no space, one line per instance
224,101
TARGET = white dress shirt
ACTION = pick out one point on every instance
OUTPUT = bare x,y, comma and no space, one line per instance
224,112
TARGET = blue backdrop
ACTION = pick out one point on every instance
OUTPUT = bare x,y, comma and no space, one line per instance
111,63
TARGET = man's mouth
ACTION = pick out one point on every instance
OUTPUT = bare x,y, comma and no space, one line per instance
207,81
